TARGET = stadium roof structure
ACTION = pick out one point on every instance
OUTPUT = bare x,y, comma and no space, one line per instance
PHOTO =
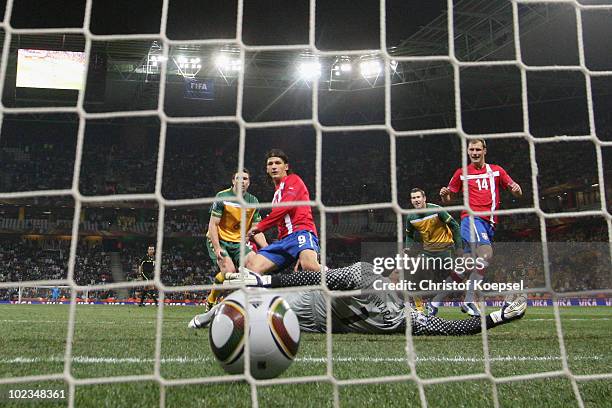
482,28
483,31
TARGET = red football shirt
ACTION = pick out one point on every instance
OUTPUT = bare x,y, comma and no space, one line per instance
290,219
484,187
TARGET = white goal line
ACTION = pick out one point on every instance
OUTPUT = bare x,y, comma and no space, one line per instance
302,359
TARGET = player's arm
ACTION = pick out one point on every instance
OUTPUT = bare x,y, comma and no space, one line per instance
213,235
216,212
454,186
508,184
142,275
347,278
259,238
409,241
435,326
454,226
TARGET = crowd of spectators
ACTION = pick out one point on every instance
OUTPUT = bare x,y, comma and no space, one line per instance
578,260
29,260
571,268
23,260
355,170
355,167
35,167
141,221
183,263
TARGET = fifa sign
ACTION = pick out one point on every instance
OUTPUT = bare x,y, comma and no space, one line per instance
199,89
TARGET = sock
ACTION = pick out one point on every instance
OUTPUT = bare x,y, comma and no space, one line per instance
437,300
418,303
214,292
475,277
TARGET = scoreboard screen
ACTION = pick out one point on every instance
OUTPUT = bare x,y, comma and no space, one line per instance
50,69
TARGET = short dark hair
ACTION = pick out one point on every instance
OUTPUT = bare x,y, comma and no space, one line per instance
151,246
244,170
277,153
418,190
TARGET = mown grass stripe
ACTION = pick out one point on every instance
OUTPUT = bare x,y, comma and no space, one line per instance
303,359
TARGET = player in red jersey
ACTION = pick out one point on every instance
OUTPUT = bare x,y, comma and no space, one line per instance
297,233
485,182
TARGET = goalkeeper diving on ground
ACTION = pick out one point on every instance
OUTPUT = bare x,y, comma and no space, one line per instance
369,311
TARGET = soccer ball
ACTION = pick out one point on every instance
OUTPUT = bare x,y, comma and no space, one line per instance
274,334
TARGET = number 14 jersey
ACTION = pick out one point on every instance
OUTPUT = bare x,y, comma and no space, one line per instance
484,188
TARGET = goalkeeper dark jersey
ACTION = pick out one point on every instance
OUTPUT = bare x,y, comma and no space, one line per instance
369,311
147,268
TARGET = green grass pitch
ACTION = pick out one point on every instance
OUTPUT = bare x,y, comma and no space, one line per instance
120,340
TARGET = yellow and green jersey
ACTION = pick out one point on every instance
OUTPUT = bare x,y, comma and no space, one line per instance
228,209
438,231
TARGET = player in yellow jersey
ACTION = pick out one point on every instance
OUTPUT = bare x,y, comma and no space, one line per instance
436,232
223,237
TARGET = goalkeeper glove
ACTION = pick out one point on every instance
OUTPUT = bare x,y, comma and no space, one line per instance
246,278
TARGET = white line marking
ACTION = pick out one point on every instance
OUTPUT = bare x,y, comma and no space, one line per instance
97,322
565,318
590,311
304,359
55,321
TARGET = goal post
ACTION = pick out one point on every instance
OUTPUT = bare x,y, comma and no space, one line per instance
46,294
389,60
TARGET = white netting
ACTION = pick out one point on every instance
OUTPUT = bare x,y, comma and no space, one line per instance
317,202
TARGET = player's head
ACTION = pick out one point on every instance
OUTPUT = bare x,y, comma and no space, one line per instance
151,250
417,198
277,164
241,178
477,150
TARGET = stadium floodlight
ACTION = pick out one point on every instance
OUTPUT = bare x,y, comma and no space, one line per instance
370,68
187,66
227,63
393,64
309,70
154,61
181,62
342,67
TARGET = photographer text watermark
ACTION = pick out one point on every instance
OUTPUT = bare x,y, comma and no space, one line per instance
412,264
429,285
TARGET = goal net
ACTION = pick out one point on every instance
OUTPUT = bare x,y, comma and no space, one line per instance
363,125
